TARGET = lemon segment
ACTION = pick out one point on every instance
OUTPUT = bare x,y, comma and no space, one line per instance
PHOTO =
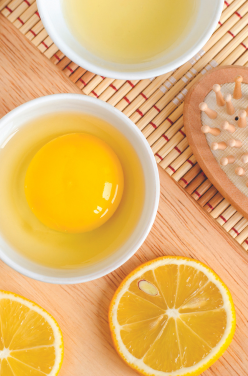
209,297
41,358
209,325
189,282
167,277
172,316
5,369
193,348
164,354
137,338
31,341
136,289
22,369
139,309
12,315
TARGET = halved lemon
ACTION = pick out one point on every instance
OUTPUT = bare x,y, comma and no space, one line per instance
172,316
31,341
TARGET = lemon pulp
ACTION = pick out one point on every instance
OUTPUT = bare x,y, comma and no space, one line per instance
31,341
172,316
74,183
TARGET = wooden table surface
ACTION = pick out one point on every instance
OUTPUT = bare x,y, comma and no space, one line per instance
181,228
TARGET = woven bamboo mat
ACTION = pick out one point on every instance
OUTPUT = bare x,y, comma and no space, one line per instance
156,105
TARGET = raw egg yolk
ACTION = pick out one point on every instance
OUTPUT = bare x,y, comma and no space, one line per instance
74,183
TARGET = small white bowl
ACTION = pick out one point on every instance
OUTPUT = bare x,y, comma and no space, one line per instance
53,19
86,105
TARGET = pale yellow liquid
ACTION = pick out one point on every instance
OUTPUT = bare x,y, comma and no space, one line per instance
130,31
26,234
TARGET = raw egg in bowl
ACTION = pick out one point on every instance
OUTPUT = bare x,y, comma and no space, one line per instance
79,188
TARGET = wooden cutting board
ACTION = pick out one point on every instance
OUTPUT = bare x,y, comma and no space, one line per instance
181,228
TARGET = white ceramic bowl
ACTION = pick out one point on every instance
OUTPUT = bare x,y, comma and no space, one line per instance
52,17
86,105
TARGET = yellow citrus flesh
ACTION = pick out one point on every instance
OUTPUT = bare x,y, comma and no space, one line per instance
74,183
31,341
172,316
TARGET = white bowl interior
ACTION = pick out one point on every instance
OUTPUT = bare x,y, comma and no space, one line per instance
207,17
79,103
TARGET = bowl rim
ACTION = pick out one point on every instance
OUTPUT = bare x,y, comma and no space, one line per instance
145,231
132,75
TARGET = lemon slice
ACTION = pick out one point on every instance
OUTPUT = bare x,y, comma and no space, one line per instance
31,341
172,316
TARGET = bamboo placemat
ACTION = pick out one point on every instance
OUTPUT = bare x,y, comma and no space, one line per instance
156,105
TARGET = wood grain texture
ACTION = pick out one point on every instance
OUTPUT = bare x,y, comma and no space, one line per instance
181,228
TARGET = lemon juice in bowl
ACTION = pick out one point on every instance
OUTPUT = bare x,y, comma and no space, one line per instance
130,32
